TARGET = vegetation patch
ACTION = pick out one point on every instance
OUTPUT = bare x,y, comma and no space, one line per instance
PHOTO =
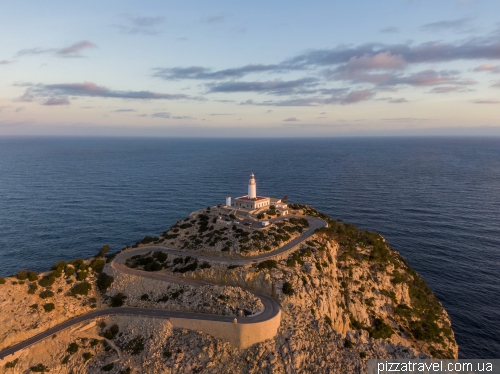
104,281
49,307
82,288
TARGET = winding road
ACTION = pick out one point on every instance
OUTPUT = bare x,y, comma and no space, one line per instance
271,307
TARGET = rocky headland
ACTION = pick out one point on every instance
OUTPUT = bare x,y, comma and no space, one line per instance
345,296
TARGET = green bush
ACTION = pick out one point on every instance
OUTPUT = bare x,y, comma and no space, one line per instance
82,288
87,356
111,332
205,265
34,306
22,274
190,267
230,267
380,330
145,297
288,289
59,265
153,266
268,264
135,346
97,264
69,271
32,288
49,307
82,275
40,368
47,281
117,300
45,294
2,280
104,281
72,348
32,276
160,256
108,367
104,250
11,364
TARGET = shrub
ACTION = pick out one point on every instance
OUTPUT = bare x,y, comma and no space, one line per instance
45,294
87,356
69,271
11,364
190,267
47,281
82,288
111,332
59,265
82,275
34,306
381,330
160,256
362,354
135,346
268,264
288,289
104,281
108,367
49,307
22,274
97,264
205,265
79,264
72,348
32,288
348,344
148,239
40,368
103,250
260,216
32,276
65,360
145,297
117,300
153,266
230,267
2,280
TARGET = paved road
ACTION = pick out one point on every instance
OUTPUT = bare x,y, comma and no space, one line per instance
271,307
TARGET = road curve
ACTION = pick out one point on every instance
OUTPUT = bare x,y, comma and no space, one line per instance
271,307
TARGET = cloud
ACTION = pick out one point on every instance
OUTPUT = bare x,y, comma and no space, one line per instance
141,25
447,89
275,86
183,117
486,101
200,72
124,110
57,101
222,114
161,115
90,89
357,96
70,51
488,67
389,30
496,85
455,25
216,18
390,100
428,77
291,119
6,62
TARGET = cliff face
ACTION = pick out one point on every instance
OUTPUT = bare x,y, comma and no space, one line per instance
346,296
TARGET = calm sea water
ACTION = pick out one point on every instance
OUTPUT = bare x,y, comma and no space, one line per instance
436,200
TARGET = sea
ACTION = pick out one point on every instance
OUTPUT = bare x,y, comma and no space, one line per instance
435,200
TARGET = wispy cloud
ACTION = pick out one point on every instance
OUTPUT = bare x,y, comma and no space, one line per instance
72,51
275,86
214,18
57,101
486,101
6,62
90,89
161,115
455,25
124,110
200,72
389,30
488,67
141,25
291,119
222,114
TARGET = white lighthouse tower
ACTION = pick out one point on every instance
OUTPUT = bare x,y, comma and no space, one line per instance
252,187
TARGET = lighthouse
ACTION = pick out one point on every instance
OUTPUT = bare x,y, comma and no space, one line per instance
252,187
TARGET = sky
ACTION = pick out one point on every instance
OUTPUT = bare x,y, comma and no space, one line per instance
250,69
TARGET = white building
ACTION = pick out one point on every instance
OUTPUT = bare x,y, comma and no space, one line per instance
251,201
